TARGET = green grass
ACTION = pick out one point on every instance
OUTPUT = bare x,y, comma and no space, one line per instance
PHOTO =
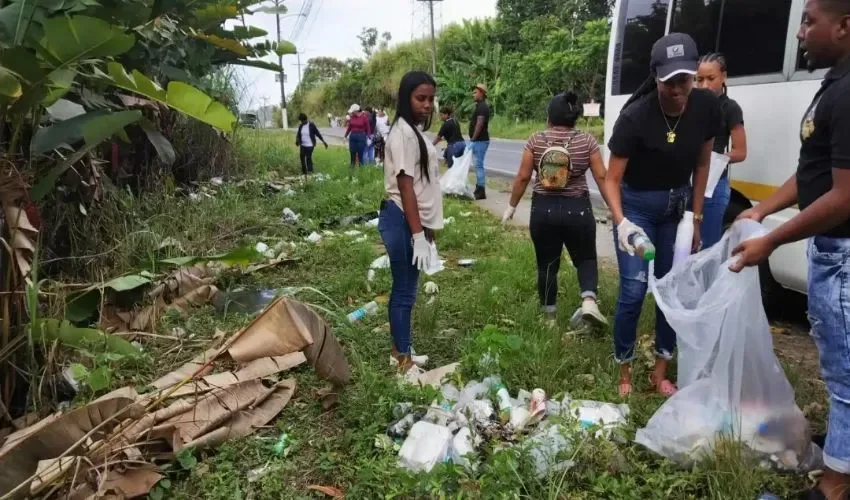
505,128
490,306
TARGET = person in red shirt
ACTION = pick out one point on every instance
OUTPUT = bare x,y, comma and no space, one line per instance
358,129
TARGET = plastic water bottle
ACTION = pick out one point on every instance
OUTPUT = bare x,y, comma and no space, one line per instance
684,239
644,247
361,313
504,404
768,496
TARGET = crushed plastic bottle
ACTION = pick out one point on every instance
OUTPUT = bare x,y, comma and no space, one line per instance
643,246
281,447
684,239
361,313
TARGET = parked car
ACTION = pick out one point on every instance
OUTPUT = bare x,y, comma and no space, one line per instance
249,120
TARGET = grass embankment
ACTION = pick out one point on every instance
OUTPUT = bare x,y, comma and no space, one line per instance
505,128
496,296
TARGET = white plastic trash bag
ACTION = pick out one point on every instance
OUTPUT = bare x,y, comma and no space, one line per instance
731,384
454,180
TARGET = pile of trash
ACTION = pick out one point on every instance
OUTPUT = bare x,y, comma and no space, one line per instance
456,424
112,446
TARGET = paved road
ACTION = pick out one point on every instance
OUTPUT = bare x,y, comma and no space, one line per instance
502,158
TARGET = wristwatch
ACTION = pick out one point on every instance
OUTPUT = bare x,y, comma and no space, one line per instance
698,217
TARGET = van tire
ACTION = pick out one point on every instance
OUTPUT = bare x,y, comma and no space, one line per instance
772,293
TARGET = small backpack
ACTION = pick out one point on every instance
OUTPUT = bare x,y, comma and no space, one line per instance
555,166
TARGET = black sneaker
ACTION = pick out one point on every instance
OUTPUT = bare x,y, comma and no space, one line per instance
480,194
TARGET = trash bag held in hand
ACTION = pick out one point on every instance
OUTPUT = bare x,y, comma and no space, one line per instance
731,384
454,180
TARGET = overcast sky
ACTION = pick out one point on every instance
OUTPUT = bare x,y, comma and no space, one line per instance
332,27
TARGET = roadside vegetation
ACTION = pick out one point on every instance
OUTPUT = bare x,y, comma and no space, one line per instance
490,307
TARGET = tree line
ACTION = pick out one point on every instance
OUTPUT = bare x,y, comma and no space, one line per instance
530,51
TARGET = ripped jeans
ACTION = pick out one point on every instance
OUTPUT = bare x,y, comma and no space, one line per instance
658,213
829,315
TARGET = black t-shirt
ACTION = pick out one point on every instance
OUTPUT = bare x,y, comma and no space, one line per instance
825,136
450,131
481,109
731,116
640,135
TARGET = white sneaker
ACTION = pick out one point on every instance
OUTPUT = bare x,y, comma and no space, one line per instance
417,360
590,313
411,376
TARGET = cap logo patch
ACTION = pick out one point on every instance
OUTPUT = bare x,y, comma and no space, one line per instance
675,51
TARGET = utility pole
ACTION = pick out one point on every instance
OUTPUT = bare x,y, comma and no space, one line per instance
299,67
284,116
433,44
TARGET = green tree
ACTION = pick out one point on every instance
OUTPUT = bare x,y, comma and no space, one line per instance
368,40
321,70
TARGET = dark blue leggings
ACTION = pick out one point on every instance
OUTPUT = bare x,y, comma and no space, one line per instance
356,145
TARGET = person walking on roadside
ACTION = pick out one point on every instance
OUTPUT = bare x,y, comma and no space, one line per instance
821,188
305,139
479,136
731,140
663,137
369,151
357,130
413,210
450,131
382,130
561,213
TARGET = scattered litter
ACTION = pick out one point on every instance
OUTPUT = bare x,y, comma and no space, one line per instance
289,192
458,421
431,288
370,275
329,234
466,262
448,220
281,447
179,332
255,475
244,300
314,237
382,262
361,313
361,239
353,232
425,446
373,222
289,216
348,220
170,242
217,181
261,247
465,214
321,177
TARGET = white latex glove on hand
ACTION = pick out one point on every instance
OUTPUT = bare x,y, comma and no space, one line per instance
421,251
508,215
624,232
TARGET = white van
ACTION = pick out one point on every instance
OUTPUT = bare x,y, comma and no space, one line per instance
766,76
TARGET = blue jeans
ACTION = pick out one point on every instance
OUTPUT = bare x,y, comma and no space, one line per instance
479,149
368,156
829,315
398,241
452,150
658,213
356,145
714,209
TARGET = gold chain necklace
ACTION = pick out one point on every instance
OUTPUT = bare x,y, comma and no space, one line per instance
671,131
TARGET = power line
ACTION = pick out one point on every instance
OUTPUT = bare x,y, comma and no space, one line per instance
315,17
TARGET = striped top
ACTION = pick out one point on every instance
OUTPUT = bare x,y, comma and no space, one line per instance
581,146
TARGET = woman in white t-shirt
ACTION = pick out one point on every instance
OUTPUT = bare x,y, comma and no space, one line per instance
382,126
413,208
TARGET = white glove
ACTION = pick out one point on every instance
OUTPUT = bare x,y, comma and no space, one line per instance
624,232
421,251
508,215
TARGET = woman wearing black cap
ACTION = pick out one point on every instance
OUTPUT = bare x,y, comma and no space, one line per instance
662,139
561,213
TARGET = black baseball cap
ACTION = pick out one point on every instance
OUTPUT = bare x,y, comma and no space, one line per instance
674,54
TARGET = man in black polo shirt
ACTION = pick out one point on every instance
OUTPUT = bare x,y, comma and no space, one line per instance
822,189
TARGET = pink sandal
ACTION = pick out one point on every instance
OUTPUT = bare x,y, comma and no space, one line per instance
665,387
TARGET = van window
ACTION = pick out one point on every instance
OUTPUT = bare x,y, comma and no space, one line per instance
750,33
640,24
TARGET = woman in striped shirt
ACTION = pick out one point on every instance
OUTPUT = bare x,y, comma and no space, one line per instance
561,213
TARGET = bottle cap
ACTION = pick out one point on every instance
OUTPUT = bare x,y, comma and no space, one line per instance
649,255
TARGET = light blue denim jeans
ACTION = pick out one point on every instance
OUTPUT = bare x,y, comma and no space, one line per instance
829,315
479,150
714,210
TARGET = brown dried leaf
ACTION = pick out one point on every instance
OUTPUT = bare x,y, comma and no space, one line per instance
327,490
257,369
278,330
